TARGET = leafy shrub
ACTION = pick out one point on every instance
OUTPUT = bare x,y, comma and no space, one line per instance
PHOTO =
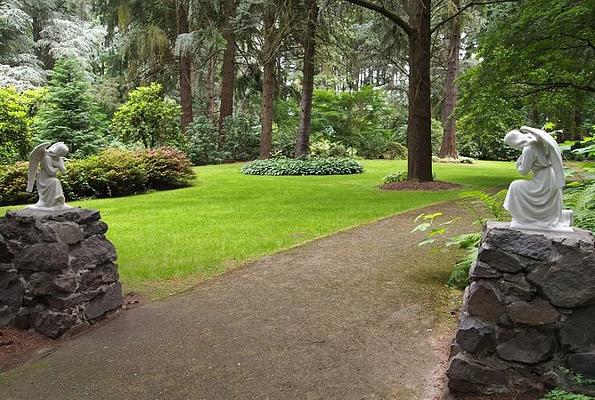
241,141
148,117
581,199
395,151
15,124
304,166
110,173
560,394
167,168
325,148
242,138
395,177
13,181
202,142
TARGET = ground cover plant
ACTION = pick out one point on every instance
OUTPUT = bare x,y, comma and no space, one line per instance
303,166
169,240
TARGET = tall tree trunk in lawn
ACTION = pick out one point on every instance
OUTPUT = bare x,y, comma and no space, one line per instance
268,84
211,89
228,71
419,121
449,122
183,26
303,136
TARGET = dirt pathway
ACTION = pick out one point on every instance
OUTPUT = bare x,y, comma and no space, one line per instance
362,314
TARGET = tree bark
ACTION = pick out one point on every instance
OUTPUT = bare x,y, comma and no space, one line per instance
419,143
211,89
303,137
183,26
228,70
449,122
268,84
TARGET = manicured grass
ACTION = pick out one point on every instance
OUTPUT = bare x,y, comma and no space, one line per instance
167,241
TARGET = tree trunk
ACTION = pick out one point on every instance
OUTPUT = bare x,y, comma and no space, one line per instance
268,85
228,70
302,145
451,92
185,68
211,89
419,120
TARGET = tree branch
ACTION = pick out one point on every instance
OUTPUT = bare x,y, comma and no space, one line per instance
465,7
383,11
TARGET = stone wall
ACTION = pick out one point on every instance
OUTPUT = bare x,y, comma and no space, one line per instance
57,270
529,313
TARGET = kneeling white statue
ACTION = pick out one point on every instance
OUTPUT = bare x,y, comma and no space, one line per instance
51,160
537,203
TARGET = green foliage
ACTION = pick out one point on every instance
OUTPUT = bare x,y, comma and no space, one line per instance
241,143
304,166
400,176
536,66
148,117
68,114
360,119
581,199
325,148
13,181
111,173
395,151
560,394
15,123
167,168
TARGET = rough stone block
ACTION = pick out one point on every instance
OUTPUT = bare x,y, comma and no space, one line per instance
6,316
46,284
93,251
529,347
12,295
54,231
94,228
578,330
109,300
516,287
532,245
102,274
481,270
568,280
583,363
475,336
484,301
467,376
43,257
537,312
53,323
499,259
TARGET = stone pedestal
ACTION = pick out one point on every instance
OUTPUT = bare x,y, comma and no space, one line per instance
57,270
529,313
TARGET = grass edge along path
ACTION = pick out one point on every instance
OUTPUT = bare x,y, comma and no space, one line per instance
169,241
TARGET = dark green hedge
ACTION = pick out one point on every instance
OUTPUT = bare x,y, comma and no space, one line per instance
111,173
305,166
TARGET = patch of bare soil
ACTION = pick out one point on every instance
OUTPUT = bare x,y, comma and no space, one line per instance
420,186
18,346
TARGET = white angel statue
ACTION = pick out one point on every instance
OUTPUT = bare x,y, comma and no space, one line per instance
50,158
537,203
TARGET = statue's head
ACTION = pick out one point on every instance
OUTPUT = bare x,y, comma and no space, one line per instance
517,139
58,149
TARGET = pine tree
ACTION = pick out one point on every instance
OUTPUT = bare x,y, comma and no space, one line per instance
68,114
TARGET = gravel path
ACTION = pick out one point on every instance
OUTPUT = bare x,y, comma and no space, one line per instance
362,314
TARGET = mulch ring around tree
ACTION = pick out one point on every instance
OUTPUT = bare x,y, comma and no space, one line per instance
420,186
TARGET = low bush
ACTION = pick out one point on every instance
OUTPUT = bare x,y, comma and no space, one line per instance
111,173
560,394
395,177
326,148
167,168
450,160
305,166
395,151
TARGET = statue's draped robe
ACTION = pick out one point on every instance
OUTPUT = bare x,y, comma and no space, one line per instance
538,200
48,186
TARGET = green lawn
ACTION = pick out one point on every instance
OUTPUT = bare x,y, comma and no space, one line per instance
167,241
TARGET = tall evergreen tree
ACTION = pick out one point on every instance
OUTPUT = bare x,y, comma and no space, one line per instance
68,114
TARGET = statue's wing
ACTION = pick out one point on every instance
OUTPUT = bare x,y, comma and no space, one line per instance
553,152
34,159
